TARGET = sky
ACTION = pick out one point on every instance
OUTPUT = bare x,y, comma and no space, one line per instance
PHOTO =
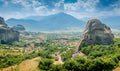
80,9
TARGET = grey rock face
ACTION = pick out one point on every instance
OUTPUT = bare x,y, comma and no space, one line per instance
21,29
96,33
2,22
18,28
7,34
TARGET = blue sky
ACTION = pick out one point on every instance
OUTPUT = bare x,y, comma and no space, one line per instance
80,9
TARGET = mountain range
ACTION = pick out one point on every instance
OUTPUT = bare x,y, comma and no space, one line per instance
55,22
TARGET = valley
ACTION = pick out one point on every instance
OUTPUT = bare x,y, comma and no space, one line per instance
58,47
34,45
59,35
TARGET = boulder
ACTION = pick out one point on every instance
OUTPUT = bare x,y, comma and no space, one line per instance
7,34
96,33
2,22
21,29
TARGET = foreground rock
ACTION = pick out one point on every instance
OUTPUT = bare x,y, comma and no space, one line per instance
7,34
96,33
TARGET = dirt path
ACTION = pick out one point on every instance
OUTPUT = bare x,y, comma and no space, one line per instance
117,69
82,55
9,68
59,60
27,65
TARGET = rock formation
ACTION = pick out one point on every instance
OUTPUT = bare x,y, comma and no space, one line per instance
96,33
7,34
21,29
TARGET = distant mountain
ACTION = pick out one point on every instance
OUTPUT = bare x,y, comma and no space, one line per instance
36,18
59,21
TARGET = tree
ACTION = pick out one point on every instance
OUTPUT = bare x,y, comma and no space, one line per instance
45,64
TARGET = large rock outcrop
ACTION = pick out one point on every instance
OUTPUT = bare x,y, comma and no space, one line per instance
96,33
7,34
21,29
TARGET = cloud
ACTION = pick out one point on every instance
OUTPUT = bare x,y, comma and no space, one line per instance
82,8
27,3
29,8
59,4
89,9
78,8
81,5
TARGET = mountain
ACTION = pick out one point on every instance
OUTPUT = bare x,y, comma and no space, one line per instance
36,18
59,21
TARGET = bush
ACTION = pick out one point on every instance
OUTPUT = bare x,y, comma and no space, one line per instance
67,55
71,65
45,64
57,68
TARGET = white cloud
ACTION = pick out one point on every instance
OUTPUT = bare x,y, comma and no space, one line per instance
30,8
28,4
58,4
81,9
82,5
87,9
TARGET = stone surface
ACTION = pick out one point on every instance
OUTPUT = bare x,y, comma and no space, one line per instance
7,34
21,29
96,33
2,22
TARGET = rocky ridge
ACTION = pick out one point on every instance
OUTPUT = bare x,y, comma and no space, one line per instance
95,33
7,34
21,29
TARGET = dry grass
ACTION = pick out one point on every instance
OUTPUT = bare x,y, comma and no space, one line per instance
27,65
117,69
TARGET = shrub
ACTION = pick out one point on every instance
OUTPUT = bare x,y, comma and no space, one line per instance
45,64
71,65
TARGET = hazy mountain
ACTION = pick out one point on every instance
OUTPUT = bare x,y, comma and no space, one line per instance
60,21
36,18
